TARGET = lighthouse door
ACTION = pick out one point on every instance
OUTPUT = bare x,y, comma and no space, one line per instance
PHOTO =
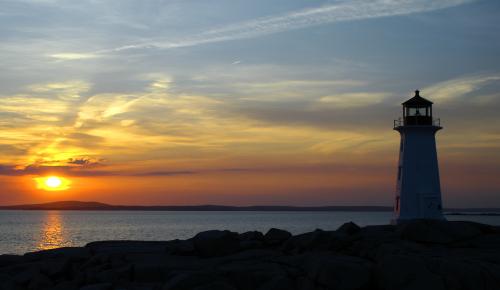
430,205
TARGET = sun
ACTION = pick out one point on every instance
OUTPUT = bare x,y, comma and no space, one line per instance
52,183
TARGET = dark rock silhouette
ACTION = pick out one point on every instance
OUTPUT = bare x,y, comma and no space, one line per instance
421,254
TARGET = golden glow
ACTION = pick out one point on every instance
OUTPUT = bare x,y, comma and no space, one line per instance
52,183
52,235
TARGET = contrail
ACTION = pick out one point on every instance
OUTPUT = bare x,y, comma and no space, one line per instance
342,11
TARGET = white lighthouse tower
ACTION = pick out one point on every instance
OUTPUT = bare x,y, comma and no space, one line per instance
418,192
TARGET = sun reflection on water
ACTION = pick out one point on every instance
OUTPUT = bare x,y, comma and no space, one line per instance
52,235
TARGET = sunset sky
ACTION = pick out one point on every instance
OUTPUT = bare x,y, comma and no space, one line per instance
243,102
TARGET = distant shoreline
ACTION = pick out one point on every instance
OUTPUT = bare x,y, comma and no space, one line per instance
79,205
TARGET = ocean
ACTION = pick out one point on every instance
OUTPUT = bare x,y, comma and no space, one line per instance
26,231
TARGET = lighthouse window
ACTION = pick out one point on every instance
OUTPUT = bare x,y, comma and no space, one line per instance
424,111
415,112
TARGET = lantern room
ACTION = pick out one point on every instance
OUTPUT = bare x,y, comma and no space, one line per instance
417,111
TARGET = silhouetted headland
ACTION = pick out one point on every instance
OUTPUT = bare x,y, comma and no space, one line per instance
421,254
81,205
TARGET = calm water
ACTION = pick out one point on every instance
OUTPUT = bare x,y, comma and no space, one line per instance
24,231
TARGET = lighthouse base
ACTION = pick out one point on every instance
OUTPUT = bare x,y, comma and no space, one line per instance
398,221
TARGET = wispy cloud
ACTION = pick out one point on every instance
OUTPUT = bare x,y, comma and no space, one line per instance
458,88
342,11
351,100
73,56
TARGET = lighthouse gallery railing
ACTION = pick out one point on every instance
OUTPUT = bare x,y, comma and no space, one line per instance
400,122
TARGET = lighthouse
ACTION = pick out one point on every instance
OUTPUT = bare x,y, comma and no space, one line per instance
418,190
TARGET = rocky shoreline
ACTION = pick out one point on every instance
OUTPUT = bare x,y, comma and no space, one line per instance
422,254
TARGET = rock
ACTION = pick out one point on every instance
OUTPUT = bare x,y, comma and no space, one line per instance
282,282
216,243
399,272
39,282
276,236
349,228
246,255
217,285
338,272
101,286
146,258
139,286
304,283
66,285
148,273
422,254
23,273
192,280
91,274
247,245
251,274
251,236
115,275
73,253
6,283
9,260
398,247
55,267
438,232
180,247
110,247
489,241
315,241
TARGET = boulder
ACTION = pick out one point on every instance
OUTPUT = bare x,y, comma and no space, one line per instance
251,274
349,228
318,240
181,247
139,286
39,282
251,236
276,236
304,283
7,283
23,273
73,253
192,280
338,272
120,247
148,273
282,282
145,258
216,243
66,285
101,286
247,245
401,272
244,255
438,232
56,266
217,285
488,241
115,275
9,260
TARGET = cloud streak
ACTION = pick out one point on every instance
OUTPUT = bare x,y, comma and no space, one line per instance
343,11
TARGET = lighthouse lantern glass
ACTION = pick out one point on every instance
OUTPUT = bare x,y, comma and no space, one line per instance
417,115
418,111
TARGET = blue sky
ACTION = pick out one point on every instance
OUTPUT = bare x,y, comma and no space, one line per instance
259,85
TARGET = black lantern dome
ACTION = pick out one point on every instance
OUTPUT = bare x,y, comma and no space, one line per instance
417,111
